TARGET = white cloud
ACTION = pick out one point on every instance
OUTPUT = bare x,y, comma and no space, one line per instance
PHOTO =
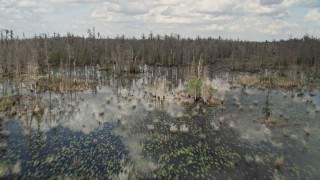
244,18
215,27
43,10
235,28
26,3
101,14
312,15
73,1
288,3
11,13
171,20
275,27
35,6
181,11
221,18
212,6
270,2
257,9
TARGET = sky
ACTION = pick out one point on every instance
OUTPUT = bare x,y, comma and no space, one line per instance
255,20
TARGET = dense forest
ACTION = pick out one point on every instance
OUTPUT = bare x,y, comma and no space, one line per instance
68,51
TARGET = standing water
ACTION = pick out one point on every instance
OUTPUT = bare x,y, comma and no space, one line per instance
133,126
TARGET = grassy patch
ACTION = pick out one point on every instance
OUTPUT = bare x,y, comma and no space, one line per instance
61,85
272,82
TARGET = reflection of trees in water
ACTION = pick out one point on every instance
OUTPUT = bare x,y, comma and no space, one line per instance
266,111
3,136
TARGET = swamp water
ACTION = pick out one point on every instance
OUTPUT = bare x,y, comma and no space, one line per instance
119,131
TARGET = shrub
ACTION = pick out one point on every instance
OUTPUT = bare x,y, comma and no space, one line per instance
194,87
197,88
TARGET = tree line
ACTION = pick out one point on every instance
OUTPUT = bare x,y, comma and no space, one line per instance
123,53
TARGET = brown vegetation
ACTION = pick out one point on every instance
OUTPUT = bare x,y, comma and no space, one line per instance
57,84
266,82
6,103
185,99
279,162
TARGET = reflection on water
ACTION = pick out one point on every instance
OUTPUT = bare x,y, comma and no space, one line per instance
134,126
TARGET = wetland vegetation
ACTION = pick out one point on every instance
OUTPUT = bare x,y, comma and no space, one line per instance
159,107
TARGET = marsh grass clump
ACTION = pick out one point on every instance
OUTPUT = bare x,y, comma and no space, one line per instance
248,159
202,136
124,174
8,104
307,130
217,140
173,128
58,84
184,128
279,162
37,111
269,82
258,160
4,169
3,146
249,81
215,125
271,120
49,160
16,168
150,127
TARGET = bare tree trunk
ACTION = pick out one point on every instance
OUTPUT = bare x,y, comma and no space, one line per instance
200,67
47,58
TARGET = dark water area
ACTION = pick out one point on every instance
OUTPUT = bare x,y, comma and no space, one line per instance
117,130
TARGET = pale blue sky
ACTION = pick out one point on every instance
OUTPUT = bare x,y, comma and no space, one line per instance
244,19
